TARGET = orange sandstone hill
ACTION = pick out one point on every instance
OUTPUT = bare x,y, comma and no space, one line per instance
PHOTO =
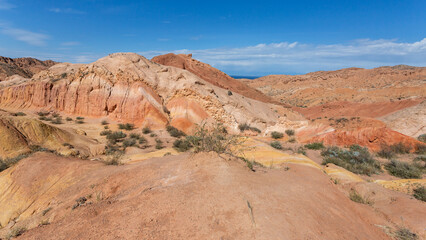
211,75
24,67
129,88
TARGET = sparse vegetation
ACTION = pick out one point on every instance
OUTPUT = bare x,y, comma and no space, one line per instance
18,114
42,114
158,144
405,234
104,122
174,132
152,135
422,138
135,135
386,152
301,150
292,140
244,127
289,132
276,145
356,197
129,143
57,120
105,132
357,159
400,148
79,121
8,162
79,118
142,140
420,193
403,169
16,232
421,148
126,126
116,136
314,146
146,130
229,93
277,135
68,119
182,145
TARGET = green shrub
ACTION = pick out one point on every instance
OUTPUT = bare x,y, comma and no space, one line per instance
105,132
277,135
158,144
276,144
42,118
182,145
57,120
421,148
356,197
422,138
314,146
400,148
146,130
244,126
386,152
135,135
16,232
405,234
18,114
142,140
55,115
79,121
229,93
289,132
126,126
174,132
420,193
301,150
152,135
129,142
357,159
292,140
104,122
214,139
403,169
42,114
8,162
116,136
106,127
68,119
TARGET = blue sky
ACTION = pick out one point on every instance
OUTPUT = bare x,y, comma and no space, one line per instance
238,37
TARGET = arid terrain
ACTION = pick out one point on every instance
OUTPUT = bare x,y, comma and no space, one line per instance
172,148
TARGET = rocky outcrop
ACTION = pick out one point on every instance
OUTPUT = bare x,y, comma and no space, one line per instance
211,75
24,67
129,88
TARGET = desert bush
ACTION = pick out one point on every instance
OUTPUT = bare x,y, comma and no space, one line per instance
276,144
42,114
57,120
55,115
105,132
421,148
67,145
244,126
420,193
158,144
49,119
129,142
8,162
301,150
174,132
135,135
214,138
116,136
79,118
106,127
152,135
400,148
289,132
405,234
18,114
356,197
16,232
79,121
229,93
386,152
104,122
422,138
182,145
403,169
277,135
314,146
292,140
420,160
112,149
146,130
126,126
357,159
68,119
142,140
42,118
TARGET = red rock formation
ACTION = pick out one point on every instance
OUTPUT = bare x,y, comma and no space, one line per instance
211,75
25,67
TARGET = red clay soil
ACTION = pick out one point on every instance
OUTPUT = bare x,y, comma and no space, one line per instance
187,196
351,109
211,75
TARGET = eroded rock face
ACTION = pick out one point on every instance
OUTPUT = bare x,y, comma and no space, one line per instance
130,88
211,75
24,67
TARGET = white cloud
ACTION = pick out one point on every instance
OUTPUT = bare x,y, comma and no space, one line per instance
32,38
66,10
4,5
297,57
